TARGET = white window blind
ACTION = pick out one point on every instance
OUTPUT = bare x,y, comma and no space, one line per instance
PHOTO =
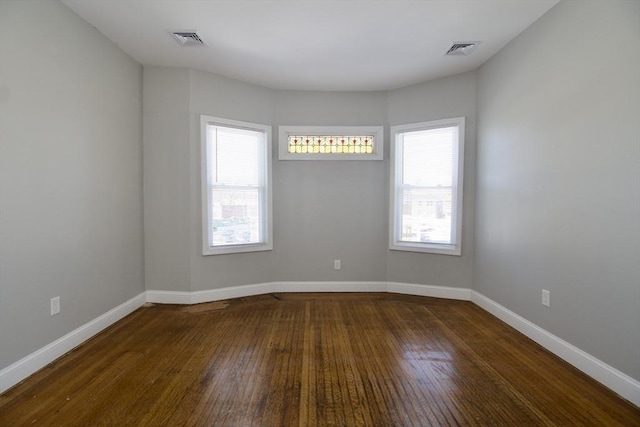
427,159
236,195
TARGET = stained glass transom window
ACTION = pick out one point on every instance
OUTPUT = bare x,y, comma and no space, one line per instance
331,142
353,144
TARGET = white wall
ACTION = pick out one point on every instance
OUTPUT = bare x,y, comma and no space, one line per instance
70,175
558,182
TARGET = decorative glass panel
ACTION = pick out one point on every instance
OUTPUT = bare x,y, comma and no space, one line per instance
330,144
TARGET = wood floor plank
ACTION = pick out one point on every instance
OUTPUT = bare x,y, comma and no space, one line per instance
313,360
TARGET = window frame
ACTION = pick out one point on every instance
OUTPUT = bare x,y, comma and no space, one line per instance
454,248
376,131
266,201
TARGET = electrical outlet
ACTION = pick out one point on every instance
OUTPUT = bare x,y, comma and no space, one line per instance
546,298
336,264
55,305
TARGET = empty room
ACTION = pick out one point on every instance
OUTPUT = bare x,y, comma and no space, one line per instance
320,213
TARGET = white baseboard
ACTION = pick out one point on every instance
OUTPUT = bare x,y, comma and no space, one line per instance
617,381
430,291
330,287
16,372
197,297
232,292
169,297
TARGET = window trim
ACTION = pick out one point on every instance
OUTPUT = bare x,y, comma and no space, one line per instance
267,225
376,131
395,210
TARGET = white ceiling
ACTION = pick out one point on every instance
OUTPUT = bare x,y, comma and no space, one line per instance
340,45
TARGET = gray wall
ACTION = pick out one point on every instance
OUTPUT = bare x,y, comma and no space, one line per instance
166,178
328,210
231,99
70,175
558,182
323,210
439,99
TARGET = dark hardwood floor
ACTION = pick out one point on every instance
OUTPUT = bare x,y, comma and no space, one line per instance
312,360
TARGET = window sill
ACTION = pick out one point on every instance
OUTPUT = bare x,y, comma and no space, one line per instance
234,249
426,248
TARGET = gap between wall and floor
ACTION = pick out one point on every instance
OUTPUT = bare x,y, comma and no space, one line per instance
622,384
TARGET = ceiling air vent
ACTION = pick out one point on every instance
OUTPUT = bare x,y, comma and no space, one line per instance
462,48
187,38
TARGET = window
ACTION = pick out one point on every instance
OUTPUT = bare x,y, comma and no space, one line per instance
331,143
236,193
426,186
